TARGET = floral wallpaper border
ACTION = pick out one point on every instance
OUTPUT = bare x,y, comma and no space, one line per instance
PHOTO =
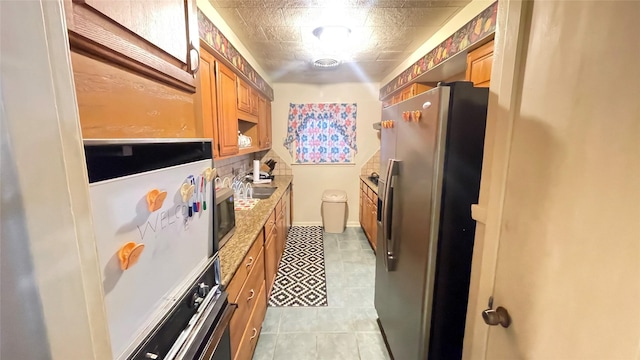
214,38
475,30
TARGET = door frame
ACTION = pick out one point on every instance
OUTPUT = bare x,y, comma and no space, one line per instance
504,100
47,233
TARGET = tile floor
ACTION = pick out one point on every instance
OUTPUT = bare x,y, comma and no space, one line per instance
346,329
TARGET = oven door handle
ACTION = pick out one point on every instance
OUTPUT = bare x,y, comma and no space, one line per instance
218,332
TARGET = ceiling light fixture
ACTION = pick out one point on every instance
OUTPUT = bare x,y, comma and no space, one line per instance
326,63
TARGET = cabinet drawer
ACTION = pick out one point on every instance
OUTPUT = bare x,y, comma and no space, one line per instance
270,224
369,193
247,299
247,264
250,337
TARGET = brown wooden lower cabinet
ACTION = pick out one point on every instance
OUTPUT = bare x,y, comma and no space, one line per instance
250,337
369,213
252,283
271,259
244,290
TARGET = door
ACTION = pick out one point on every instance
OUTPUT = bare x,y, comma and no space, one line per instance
567,266
405,256
227,111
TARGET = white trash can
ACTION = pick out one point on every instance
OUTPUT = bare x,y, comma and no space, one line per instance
334,210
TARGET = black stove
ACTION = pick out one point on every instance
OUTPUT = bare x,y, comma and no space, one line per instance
201,315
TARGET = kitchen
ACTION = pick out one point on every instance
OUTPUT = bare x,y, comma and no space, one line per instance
127,113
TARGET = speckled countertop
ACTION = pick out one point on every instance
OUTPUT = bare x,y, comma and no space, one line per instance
369,183
249,223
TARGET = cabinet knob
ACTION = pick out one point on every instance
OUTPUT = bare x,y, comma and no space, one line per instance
255,333
195,69
250,261
253,294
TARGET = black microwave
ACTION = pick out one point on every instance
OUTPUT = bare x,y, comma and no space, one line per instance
225,216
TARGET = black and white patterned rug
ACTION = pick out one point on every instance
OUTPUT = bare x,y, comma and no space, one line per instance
301,278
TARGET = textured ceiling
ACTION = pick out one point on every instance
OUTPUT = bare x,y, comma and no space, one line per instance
278,33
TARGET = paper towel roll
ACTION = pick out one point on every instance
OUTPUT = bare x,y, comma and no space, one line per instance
256,171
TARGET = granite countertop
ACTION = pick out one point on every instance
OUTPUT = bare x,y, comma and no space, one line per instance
249,223
369,183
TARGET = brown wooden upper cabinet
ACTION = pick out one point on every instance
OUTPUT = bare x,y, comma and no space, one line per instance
157,38
227,111
264,123
244,95
209,99
253,101
269,126
247,101
479,63
413,90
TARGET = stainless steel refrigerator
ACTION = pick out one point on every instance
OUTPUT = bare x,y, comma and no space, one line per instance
431,157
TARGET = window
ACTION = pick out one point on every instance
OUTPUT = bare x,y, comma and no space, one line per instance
322,133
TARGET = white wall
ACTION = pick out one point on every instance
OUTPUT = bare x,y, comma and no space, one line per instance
51,304
311,180
207,9
470,11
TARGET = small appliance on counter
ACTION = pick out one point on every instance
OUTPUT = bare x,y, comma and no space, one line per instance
225,217
157,247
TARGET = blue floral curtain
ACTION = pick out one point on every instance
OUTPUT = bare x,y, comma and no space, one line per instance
322,133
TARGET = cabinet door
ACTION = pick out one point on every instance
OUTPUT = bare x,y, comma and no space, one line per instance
406,93
208,99
158,38
282,237
366,219
271,260
288,219
227,111
252,333
262,123
361,213
479,63
253,101
374,228
269,124
244,96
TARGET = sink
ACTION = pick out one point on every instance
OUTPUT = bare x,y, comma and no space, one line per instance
263,192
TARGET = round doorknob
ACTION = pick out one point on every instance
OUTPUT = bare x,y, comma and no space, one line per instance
499,316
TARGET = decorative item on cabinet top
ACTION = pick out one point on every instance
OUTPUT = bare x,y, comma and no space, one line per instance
210,34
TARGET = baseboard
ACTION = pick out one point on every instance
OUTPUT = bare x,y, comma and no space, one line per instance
307,223
319,223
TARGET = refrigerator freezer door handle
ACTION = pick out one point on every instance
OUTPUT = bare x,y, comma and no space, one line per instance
387,215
